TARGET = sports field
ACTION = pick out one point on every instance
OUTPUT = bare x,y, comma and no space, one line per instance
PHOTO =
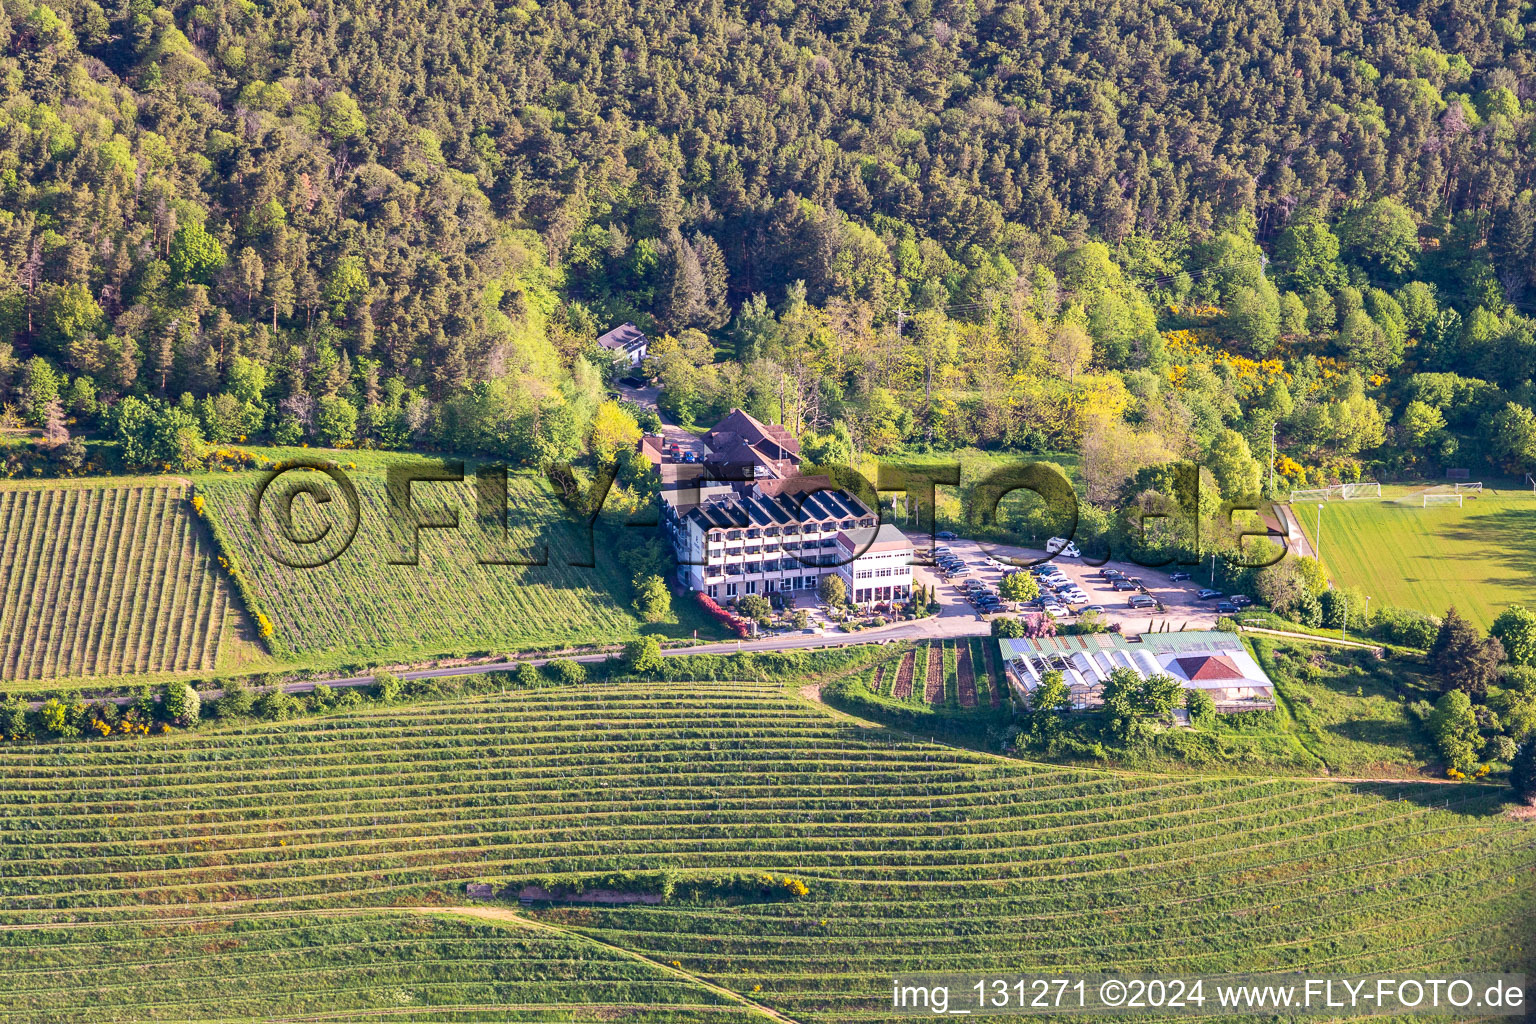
306,870
1480,557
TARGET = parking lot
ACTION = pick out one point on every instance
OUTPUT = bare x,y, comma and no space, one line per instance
1180,605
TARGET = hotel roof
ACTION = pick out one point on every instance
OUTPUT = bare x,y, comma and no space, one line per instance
777,510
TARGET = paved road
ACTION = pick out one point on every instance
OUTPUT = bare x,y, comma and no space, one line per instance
670,431
916,630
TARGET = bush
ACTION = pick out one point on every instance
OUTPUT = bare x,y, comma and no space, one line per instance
643,656
182,704
1200,705
1499,748
386,688
735,623
236,702
568,672
275,706
13,719
527,677
653,602
1408,627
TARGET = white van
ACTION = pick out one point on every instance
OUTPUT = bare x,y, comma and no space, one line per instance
1062,546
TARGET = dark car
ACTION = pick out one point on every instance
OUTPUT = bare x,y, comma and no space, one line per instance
1112,574
1241,600
1206,593
1226,608
1178,577
1141,601
1137,580
946,535
632,382
1122,585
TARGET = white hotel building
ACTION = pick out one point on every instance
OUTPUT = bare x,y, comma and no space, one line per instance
755,543
743,521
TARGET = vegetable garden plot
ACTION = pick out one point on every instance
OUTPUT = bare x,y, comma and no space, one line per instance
934,691
994,682
902,688
967,679
362,603
105,581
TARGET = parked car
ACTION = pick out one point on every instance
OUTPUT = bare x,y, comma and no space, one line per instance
1179,576
1054,610
1206,593
632,381
1076,596
1092,608
1142,601
1112,574
1137,580
1120,586
1241,600
1226,608
946,535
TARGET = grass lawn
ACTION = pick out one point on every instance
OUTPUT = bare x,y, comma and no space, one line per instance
1480,557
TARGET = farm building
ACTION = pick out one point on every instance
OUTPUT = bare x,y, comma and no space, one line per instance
1209,660
627,342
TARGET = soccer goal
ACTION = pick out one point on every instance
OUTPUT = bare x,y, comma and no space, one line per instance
1316,494
1361,490
1442,499
1472,488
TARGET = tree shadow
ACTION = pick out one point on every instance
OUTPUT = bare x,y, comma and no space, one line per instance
1481,799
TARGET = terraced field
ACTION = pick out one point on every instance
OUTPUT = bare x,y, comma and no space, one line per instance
269,871
105,581
363,605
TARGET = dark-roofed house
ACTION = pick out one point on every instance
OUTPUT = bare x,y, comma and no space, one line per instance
743,447
627,343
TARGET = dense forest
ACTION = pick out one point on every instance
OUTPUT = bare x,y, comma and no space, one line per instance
1137,229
